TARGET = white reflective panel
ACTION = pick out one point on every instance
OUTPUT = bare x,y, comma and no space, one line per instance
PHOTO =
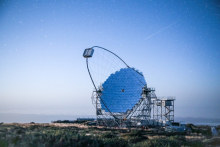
122,90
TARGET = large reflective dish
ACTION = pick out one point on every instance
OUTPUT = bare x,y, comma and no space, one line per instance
122,90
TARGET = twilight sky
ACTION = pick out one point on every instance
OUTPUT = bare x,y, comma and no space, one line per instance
176,44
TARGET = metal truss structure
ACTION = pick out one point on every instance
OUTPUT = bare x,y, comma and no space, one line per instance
163,110
103,118
124,100
140,114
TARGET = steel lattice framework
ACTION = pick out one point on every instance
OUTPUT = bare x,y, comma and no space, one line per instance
163,110
140,113
124,99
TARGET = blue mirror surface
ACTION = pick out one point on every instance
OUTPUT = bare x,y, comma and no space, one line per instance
122,90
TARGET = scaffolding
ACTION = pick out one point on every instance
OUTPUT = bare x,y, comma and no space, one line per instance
163,110
140,114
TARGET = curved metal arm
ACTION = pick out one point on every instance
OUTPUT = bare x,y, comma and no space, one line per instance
93,81
112,53
116,56
96,89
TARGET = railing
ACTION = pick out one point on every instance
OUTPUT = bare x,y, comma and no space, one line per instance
166,98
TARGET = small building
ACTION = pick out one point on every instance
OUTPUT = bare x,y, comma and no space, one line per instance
214,131
178,127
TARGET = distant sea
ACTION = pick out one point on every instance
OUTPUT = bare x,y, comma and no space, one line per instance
27,118
199,121
207,124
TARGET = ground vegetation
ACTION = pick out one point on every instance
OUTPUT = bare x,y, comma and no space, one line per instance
81,135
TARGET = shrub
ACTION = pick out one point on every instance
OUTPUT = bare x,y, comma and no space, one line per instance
33,127
15,140
108,135
158,143
119,142
3,143
20,131
213,141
